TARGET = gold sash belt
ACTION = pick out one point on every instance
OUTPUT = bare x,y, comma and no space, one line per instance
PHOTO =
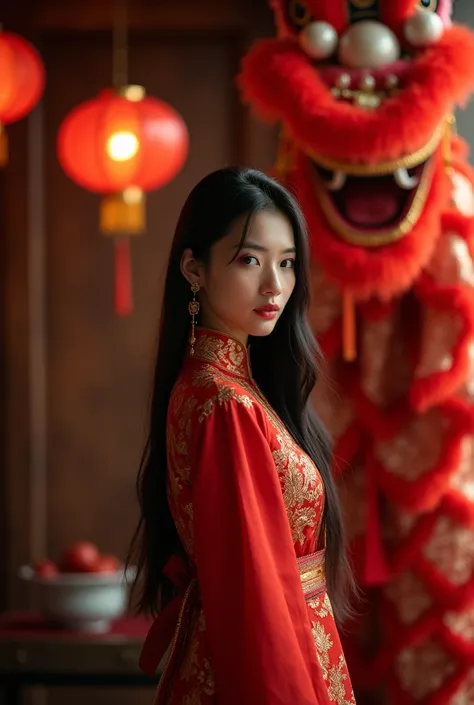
312,574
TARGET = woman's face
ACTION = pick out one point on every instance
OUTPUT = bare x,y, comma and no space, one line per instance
246,294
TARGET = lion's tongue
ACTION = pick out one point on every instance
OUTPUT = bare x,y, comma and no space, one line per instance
371,202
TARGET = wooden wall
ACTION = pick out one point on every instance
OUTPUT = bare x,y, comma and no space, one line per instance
75,379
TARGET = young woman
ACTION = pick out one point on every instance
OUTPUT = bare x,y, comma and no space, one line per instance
241,545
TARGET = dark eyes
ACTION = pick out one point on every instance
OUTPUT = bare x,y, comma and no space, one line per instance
253,261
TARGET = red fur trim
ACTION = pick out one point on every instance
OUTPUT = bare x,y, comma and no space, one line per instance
394,14
402,635
281,82
381,424
459,507
458,300
450,687
455,222
333,12
284,30
375,311
396,693
448,595
425,493
466,170
441,696
462,649
459,149
382,272
407,553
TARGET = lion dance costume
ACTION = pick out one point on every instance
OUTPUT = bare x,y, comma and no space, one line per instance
365,92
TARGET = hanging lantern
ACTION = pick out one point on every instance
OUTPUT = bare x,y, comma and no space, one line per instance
22,79
121,144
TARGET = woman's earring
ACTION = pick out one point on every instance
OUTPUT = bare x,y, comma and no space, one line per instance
193,308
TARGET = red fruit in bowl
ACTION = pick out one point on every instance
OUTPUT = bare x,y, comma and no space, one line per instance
46,569
80,557
108,564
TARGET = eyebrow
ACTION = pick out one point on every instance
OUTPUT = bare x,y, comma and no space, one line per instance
260,248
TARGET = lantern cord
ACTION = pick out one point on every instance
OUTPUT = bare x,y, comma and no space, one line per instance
120,45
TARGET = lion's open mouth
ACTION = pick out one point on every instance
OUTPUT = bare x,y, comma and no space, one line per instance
370,203
375,204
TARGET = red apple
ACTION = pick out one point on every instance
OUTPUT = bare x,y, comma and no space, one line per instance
46,569
108,564
80,557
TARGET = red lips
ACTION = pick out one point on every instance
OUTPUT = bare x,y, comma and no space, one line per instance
268,308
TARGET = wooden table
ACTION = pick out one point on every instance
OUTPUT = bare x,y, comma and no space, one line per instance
34,651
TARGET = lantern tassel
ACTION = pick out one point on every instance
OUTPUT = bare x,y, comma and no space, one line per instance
123,277
3,146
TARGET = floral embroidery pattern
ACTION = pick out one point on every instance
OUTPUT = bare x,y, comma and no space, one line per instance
178,436
334,673
224,394
321,606
197,668
229,354
337,683
302,488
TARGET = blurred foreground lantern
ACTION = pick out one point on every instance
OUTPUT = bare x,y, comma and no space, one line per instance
122,144
21,83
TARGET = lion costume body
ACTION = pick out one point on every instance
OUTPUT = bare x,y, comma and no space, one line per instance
365,93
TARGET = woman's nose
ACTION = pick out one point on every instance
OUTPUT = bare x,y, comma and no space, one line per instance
271,285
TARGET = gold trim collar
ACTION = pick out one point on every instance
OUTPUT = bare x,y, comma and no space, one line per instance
223,351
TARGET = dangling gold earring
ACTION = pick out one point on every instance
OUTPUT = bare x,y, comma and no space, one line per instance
193,308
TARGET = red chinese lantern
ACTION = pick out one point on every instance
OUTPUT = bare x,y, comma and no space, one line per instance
22,79
121,144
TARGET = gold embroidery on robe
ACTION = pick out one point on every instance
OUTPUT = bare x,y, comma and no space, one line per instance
218,376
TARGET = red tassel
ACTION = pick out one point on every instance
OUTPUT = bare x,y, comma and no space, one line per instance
123,277
375,565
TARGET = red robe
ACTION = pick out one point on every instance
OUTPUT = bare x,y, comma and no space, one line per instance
247,503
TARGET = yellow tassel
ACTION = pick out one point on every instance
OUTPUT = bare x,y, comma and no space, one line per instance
348,328
123,212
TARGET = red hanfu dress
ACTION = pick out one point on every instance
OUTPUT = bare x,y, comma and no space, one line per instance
252,624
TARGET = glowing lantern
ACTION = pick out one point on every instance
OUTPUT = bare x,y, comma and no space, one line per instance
22,80
121,144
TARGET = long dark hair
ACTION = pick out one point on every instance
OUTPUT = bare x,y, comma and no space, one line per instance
284,364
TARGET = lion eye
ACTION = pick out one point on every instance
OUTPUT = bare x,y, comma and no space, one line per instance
429,5
298,14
